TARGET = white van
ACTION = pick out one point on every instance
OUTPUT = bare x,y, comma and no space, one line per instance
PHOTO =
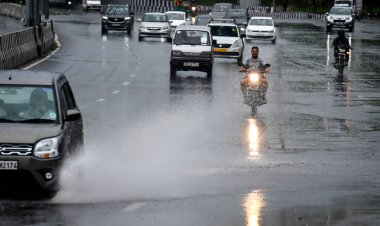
191,50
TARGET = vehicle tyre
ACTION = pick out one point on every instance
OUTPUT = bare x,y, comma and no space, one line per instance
240,59
169,39
274,41
328,28
173,72
104,31
209,72
253,110
351,29
129,30
140,38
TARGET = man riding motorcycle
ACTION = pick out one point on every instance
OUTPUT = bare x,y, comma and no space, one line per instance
341,40
254,62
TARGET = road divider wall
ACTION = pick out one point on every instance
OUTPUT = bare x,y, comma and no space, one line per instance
23,46
12,10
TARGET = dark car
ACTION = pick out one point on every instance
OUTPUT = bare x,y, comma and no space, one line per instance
241,18
41,127
219,10
118,17
203,20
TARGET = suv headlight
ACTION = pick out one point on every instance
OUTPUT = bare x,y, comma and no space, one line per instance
176,53
46,148
105,17
329,18
349,19
127,18
165,27
142,26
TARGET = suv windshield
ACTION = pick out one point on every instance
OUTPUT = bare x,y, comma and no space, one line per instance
176,16
191,37
221,8
340,11
154,18
27,104
117,10
226,31
236,14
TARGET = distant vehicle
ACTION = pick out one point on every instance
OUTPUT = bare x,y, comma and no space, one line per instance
118,17
219,10
203,20
241,17
228,42
340,17
262,28
356,6
95,5
155,25
41,127
176,18
191,50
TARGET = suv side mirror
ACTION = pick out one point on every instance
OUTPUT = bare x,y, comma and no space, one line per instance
73,115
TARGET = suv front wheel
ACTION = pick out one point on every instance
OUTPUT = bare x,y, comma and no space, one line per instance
173,71
209,71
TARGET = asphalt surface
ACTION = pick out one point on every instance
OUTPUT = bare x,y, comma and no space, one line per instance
187,152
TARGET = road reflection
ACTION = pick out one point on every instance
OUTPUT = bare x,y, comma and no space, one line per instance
254,203
253,138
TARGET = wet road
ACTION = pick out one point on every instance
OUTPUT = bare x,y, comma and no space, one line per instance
187,152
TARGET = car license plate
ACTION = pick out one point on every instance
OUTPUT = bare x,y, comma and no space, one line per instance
8,165
116,25
220,50
190,64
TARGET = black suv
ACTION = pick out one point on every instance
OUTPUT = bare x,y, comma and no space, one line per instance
117,17
40,128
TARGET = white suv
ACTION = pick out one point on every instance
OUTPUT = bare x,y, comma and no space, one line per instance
191,50
227,40
261,28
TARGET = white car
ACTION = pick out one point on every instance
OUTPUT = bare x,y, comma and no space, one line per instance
261,28
227,40
176,18
154,25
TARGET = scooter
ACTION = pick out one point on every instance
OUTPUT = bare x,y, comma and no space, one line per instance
254,86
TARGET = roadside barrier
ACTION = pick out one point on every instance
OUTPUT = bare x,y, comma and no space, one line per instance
12,10
21,47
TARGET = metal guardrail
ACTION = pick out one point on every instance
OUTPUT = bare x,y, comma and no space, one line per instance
21,47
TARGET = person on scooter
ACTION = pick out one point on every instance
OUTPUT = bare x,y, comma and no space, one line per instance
255,62
341,40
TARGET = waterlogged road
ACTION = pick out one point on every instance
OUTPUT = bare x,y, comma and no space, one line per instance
187,152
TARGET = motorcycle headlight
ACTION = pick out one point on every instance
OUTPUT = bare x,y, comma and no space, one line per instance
47,148
193,8
253,77
176,53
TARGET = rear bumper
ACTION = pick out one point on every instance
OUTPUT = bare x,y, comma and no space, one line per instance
180,63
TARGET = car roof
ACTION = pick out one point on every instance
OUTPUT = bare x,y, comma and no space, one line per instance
193,27
223,3
181,12
204,16
261,17
117,5
19,77
154,13
237,10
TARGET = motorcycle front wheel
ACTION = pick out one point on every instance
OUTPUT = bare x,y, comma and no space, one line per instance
253,109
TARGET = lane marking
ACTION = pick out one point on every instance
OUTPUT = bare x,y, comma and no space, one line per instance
100,100
133,207
133,75
126,83
115,92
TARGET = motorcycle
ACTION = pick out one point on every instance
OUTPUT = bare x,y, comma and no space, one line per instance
254,86
193,12
341,57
